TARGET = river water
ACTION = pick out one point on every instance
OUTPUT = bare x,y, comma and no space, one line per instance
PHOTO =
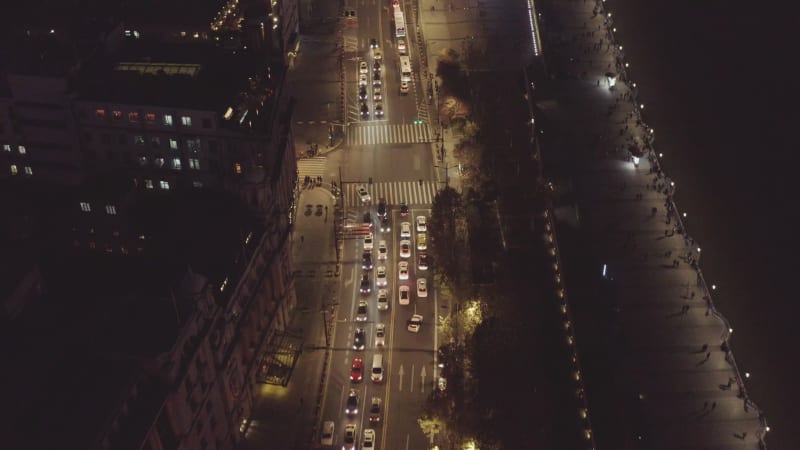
719,82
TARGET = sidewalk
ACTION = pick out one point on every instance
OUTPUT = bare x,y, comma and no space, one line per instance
286,418
443,28
676,360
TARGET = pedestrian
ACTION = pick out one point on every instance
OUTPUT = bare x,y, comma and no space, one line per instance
691,296
714,406
708,356
744,434
705,347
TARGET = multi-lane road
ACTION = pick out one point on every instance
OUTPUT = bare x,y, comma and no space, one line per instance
393,151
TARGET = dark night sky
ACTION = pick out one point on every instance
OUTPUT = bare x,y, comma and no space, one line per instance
720,85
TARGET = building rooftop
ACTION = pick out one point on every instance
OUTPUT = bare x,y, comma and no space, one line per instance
239,86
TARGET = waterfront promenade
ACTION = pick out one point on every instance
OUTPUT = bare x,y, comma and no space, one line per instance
670,359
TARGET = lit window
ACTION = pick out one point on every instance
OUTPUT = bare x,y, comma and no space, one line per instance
197,184
14,169
111,210
86,207
117,115
143,160
6,147
133,116
173,144
100,113
186,121
164,185
138,139
22,150
28,170
176,163
183,34
168,119
193,144
148,184
237,168
150,117
194,163
159,162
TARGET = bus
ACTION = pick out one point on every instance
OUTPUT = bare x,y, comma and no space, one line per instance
399,24
405,68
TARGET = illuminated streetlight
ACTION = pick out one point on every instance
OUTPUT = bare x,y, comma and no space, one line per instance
641,106
747,374
713,287
620,47
609,14
684,215
660,155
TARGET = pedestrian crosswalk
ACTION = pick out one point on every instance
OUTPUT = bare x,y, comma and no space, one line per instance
312,167
395,192
388,134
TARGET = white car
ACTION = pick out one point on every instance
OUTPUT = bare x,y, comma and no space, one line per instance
362,79
349,437
422,241
405,249
414,323
402,267
377,95
405,230
405,295
401,47
363,194
380,276
369,242
361,312
404,87
327,433
422,287
380,335
383,299
369,439
422,224
362,67
383,251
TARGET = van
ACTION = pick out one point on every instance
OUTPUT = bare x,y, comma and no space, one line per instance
377,368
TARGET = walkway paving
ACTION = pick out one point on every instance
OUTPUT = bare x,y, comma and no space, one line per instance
677,359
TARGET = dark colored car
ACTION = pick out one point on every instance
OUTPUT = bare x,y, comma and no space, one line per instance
362,93
367,219
364,110
373,43
403,209
366,284
359,339
352,403
366,261
385,227
382,208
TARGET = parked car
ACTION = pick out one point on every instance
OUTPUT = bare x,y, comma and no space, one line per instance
326,438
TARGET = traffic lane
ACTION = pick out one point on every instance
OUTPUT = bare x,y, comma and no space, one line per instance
388,163
342,352
409,384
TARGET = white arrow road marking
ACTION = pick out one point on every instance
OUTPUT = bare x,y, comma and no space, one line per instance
422,375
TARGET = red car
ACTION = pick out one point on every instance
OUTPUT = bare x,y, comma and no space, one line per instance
356,372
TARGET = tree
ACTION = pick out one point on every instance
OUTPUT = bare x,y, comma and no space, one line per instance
447,242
